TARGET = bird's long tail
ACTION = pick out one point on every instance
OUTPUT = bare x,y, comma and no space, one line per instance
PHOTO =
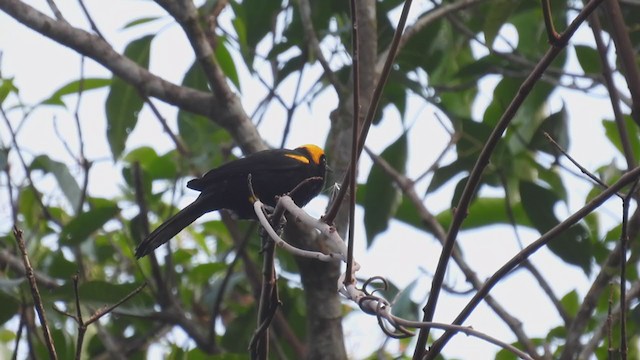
172,227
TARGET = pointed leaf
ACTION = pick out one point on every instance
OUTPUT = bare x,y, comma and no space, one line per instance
589,59
123,102
65,180
611,130
573,245
6,87
74,87
557,126
403,306
383,197
85,224
496,18
485,211
10,307
203,136
571,303
140,21
228,66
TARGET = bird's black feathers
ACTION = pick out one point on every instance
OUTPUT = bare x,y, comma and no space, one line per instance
273,173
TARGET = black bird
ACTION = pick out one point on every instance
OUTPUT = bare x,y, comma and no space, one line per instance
273,173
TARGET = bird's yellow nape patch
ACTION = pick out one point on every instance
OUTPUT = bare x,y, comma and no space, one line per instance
314,151
300,158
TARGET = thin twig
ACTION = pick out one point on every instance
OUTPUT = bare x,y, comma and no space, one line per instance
626,54
312,40
163,122
373,107
553,36
589,174
614,95
27,170
35,293
624,240
21,326
259,345
105,310
93,24
281,326
602,329
544,284
9,260
56,12
355,127
82,329
217,304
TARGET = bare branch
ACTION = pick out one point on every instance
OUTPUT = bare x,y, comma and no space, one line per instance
35,293
626,54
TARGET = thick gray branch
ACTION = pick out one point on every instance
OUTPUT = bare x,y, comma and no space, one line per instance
226,111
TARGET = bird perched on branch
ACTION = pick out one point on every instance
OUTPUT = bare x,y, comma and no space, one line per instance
273,173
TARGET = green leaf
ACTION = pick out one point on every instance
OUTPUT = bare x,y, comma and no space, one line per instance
228,66
82,226
203,273
123,102
57,266
611,130
6,87
557,126
403,306
74,87
573,245
472,137
589,59
485,211
538,202
10,307
571,303
496,18
383,197
4,157
254,20
155,166
29,208
203,136
102,293
140,21
60,171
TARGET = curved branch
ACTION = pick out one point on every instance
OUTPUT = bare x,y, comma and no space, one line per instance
224,110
